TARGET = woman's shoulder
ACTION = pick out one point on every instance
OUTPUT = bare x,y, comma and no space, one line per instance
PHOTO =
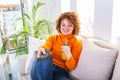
77,40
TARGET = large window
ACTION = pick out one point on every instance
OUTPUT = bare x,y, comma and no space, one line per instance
10,13
8,20
85,8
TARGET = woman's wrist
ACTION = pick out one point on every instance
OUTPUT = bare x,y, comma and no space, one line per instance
69,55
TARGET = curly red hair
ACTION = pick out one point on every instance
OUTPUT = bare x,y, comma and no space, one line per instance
73,18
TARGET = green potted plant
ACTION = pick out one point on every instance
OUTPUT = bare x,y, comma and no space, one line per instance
32,26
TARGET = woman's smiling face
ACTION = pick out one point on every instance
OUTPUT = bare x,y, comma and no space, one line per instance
66,27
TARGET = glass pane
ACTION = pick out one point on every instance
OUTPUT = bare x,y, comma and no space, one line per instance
10,18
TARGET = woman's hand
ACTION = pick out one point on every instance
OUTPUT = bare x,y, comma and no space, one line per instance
41,51
66,50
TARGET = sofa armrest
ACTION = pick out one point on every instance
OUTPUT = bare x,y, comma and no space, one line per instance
116,71
21,64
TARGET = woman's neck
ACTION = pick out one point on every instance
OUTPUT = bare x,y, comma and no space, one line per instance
66,36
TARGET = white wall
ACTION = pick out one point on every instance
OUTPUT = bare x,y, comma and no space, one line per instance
115,36
103,19
51,10
73,5
107,20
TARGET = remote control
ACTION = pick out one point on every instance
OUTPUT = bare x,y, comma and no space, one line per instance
43,56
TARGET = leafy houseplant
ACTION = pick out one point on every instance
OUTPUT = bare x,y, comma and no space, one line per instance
32,26
38,28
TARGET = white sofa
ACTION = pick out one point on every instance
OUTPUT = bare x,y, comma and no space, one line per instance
99,60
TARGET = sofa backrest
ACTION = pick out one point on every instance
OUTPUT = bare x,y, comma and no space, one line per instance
96,62
104,44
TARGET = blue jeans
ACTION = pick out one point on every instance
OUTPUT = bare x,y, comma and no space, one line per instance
46,70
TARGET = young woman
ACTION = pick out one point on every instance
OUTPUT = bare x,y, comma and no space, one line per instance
64,49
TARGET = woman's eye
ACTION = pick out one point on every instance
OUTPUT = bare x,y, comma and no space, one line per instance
66,25
62,25
69,25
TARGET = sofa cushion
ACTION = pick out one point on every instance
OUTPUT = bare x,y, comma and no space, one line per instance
95,63
33,45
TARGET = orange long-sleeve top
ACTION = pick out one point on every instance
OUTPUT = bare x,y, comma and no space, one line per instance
55,43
